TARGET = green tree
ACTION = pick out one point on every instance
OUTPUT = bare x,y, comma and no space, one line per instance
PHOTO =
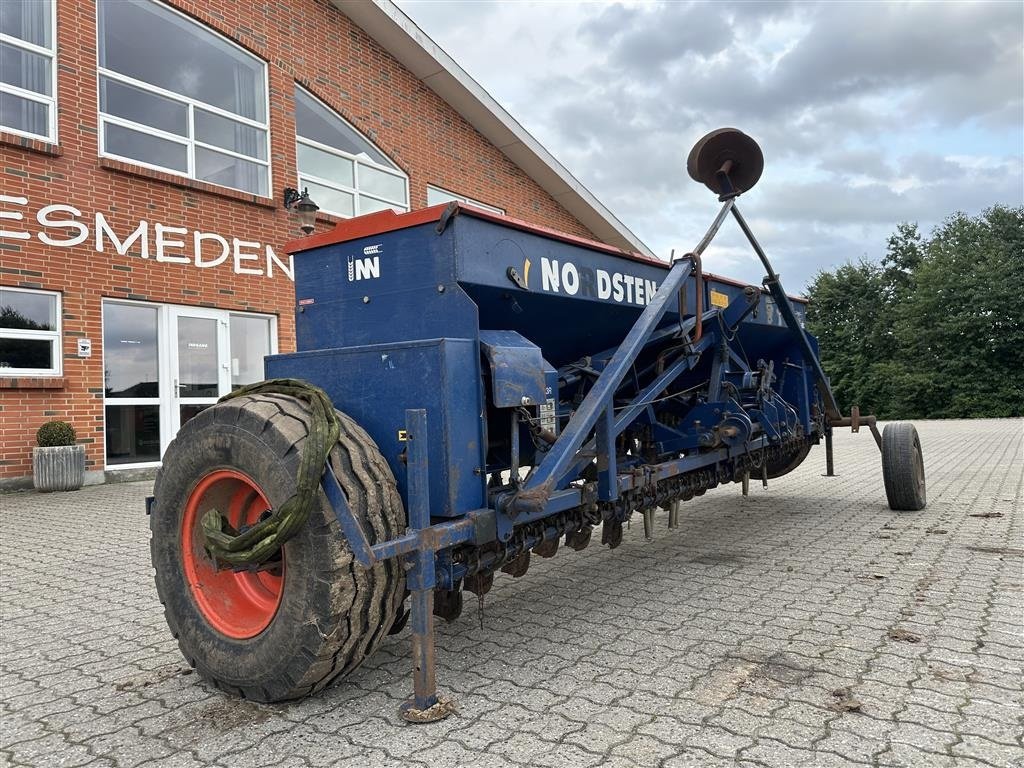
844,314
962,328
937,329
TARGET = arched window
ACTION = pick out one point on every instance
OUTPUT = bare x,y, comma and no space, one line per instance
177,96
345,173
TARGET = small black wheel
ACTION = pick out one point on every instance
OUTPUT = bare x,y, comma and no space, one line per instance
787,463
286,631
903,467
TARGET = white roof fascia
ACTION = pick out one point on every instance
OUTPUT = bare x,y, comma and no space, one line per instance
412,47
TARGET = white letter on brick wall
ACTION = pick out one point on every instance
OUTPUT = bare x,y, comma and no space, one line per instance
198,238
43,217
272,259
162,242
141,234
14,216
240,257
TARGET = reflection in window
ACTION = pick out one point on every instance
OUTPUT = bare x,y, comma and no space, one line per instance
250,343
178,96
19,354
29,332
130,351
346,175
139,145
27,68
436,196
132,433
197,357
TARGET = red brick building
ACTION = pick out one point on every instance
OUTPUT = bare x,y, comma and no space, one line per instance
145,148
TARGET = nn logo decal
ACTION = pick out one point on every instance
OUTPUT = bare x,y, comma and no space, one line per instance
363,269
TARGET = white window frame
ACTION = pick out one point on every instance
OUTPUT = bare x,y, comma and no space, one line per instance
190,142
464,199
166,374
272,340
54,337
50,101
355,191
162,380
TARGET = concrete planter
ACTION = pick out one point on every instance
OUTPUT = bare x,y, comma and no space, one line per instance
58,468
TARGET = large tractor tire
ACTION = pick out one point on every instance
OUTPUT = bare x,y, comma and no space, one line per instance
787,463
278,634
903,467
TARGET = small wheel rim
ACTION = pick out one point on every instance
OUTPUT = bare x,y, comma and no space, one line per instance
919,469
239,605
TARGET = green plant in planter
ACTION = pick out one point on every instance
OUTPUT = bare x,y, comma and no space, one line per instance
58,464
55,433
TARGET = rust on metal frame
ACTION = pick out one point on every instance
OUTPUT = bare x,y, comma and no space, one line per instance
854,421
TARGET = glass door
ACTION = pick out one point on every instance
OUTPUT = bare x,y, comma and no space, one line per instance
164,363
132,383
200,367
252,339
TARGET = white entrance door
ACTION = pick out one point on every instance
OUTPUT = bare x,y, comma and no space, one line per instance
200,362
164,363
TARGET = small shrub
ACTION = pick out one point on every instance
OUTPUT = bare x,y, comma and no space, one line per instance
55,433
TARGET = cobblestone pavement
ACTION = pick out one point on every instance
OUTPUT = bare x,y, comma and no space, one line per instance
743,637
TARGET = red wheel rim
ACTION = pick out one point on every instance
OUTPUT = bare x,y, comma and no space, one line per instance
239,605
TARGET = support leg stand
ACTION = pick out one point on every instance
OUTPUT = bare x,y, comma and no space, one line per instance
830,469
425,706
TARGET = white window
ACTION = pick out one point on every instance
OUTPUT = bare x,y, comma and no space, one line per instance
346,174
436,196
29,332
178,97
28,70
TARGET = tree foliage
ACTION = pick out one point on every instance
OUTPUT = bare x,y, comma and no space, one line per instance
934,331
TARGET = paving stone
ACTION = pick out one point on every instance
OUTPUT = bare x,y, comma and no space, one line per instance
720,742
596,737
455,755
723,643
908,756
772,752
645,750
980,748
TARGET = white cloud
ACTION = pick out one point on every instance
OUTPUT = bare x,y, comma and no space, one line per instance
869,114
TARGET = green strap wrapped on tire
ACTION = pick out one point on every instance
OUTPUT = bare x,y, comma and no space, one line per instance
261,542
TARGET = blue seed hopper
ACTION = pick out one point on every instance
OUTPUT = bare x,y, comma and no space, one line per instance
506,389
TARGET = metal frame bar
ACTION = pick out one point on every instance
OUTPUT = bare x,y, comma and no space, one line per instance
603,443
565,452
421,578
600,398
774,286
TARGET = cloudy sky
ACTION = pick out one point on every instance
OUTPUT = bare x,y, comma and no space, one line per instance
868,113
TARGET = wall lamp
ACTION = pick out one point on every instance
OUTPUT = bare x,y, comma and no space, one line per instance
302,204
